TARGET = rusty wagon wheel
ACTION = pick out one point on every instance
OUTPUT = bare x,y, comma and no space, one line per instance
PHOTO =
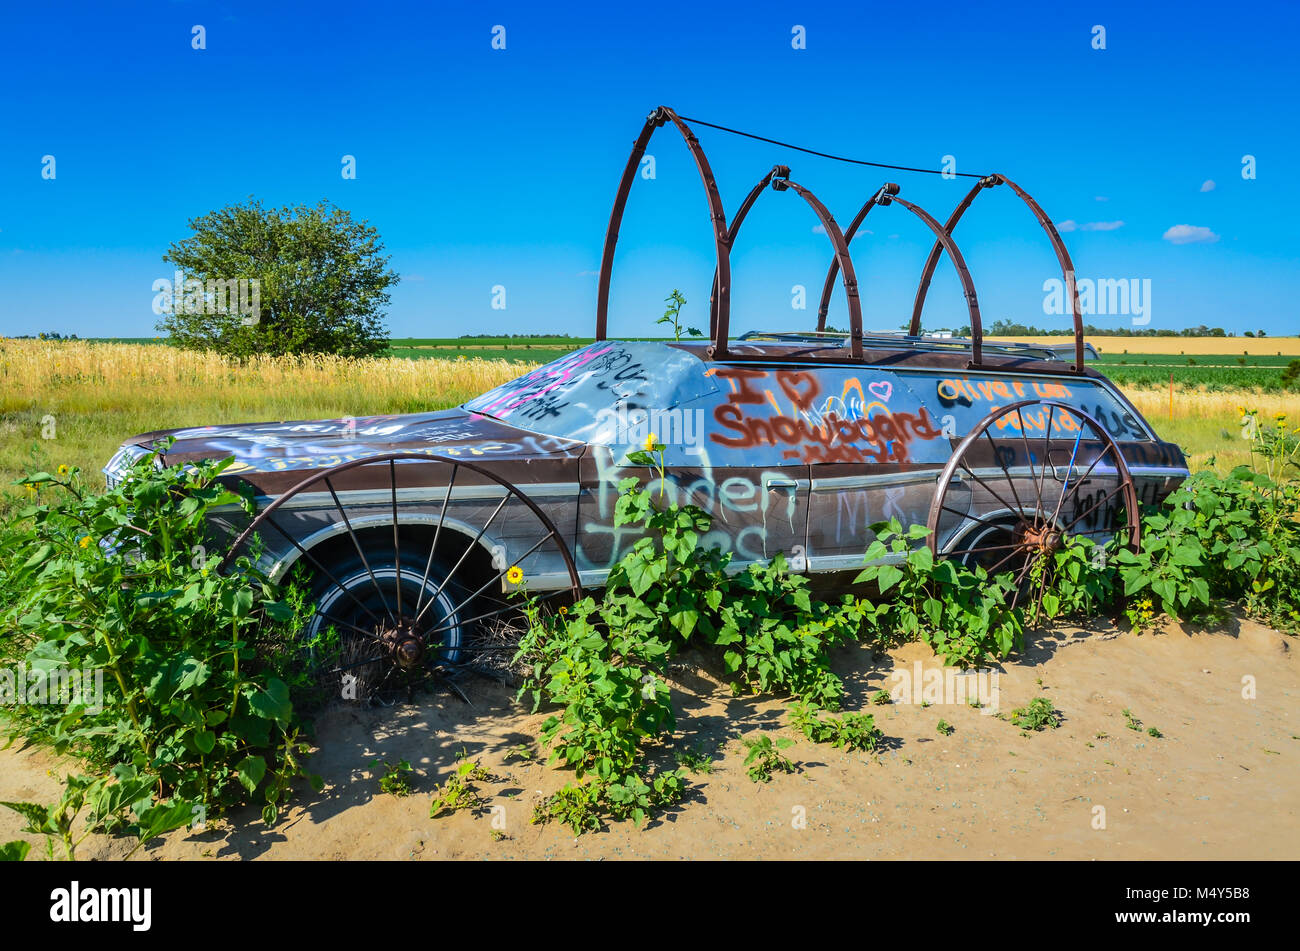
407,553
1026,479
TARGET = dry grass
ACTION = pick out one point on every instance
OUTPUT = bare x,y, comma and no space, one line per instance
1207,424
99,394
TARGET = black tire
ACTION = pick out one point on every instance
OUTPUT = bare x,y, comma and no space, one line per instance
360,603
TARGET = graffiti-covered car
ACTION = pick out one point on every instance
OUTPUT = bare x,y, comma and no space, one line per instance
417,529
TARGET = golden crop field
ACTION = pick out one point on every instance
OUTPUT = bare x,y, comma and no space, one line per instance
1253,346
88,397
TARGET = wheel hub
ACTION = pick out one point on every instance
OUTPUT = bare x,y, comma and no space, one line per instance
1045,539
402,645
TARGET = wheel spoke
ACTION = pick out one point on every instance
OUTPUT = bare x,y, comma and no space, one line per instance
1029,453
1110,495
369,635
1074,490
1019,548
973,518
972,551
360,663
347,523
397,544
998,458
988,489
498,577
1069,471
437,532
468,548
1046,464
319,567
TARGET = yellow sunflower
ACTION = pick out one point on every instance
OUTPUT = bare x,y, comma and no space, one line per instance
515,574
85,541
64,469
650,442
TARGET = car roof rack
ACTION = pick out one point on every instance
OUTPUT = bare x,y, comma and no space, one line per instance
724,238
901,341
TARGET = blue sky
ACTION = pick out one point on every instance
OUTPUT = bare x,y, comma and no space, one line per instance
485,167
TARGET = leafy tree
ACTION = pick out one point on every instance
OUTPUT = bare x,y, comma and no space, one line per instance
321,283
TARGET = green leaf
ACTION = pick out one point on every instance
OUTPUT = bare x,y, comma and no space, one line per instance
39,556
889,576
163,818
250,771
273,703
14,851
278,610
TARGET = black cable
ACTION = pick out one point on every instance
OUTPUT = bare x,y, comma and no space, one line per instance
837,158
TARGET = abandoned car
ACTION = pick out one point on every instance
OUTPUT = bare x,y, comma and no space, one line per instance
418,527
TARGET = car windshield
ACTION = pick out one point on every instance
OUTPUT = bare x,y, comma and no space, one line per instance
585,394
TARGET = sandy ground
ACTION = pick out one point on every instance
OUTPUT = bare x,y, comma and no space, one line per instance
1222,782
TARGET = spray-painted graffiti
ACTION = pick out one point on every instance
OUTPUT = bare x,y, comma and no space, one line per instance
842,427
966,400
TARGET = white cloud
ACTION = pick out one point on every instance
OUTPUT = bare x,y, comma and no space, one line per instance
1070,224
1190,234
819,229
1207,185
588,274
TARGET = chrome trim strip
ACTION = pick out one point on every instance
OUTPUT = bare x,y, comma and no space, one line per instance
850,562
467,493
1166,472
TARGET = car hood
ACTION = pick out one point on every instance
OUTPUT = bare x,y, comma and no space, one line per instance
321,443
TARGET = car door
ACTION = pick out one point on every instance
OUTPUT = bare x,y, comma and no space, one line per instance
872,457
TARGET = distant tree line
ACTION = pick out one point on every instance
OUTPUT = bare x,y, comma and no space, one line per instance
514,337
1008,328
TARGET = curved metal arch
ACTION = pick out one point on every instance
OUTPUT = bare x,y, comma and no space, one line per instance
779,179
944,240
658,118
885,190
967,284
1058,246
778,171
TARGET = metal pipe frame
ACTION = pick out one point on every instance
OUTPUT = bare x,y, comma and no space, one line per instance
779,179
1058,246
718,218
887,194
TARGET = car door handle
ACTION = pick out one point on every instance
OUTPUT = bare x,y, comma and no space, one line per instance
782,484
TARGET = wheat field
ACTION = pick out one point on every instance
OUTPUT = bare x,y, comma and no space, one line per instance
1192,346
73,403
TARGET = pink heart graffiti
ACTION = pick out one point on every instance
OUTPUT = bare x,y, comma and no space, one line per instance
882,388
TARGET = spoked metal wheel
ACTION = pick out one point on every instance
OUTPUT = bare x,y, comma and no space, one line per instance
1024,481
409,555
